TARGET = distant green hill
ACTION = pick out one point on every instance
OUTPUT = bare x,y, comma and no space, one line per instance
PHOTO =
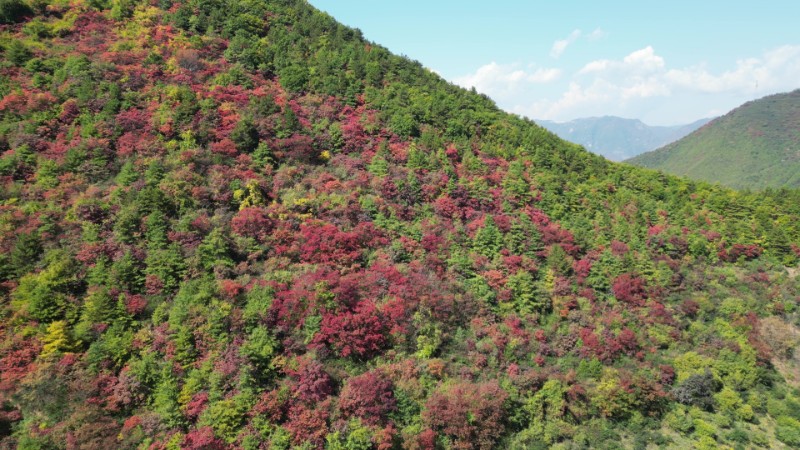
755,146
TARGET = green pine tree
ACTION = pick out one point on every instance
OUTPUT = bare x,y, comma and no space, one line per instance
488,240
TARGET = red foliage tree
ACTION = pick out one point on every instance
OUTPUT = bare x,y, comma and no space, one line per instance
628,342
325,244
360,333
272,405
667,374
446,207
591,344
69,111
309,424
607,347
619,248
630,289
230,289
252,222
689,308
581,268
470,414
427,440
298,147
748,251
368,396
355,138
16,361
224,147
312,383
196,405
202,439
135,304
130,119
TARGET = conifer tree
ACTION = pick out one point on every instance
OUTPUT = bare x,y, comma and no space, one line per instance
57,339
214,250
488,240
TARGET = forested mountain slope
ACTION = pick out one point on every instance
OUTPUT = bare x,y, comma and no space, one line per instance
237,224
755,146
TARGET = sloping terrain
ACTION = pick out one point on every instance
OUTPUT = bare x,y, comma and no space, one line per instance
755,146
617,138
237,224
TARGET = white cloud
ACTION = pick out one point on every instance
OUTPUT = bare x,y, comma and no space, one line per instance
776,69
506,79
597,34
544,75
645,88
643,85
576,95
560,45
643,60
596,66
598,97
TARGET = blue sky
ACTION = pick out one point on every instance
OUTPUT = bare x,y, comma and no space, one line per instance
666,63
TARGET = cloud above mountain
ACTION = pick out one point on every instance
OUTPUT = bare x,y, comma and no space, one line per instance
504,79
635,85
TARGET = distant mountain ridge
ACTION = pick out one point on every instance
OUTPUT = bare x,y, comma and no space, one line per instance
755,146
618,138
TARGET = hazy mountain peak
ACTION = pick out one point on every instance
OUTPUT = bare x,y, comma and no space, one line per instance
619,138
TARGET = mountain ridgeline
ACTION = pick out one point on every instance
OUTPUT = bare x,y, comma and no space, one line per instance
238,224
755,146
617,138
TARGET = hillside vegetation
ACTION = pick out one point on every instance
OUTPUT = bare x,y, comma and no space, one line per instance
755,146
237,224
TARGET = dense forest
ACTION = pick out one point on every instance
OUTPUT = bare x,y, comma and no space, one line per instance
238,224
